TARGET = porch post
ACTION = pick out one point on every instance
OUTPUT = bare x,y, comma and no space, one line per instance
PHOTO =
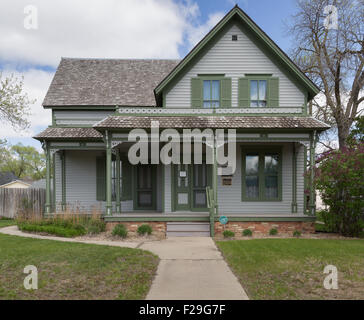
108,173
118,204
48,178
63,159
294,178
312,176
215,174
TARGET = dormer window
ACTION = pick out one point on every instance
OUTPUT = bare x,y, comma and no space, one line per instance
211,93
258,93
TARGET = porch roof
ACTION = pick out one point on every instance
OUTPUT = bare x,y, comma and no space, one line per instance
213,122
69,134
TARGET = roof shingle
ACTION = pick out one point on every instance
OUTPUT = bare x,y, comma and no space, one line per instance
214,122
68,133
106,82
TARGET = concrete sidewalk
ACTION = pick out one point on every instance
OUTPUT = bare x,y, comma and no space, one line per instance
191,268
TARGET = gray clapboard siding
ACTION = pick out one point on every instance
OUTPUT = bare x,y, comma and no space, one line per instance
234,59
229,197
87,117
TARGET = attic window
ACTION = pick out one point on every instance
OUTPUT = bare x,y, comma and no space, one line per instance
234,37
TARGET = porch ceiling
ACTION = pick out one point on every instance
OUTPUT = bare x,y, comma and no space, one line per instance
213,122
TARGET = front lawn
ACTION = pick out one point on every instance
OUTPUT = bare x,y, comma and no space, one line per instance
74,270
293,268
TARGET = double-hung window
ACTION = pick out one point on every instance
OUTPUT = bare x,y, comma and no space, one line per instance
261,175
211,93
258,93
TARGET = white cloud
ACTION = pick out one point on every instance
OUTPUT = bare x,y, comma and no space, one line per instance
36,83
94,28
91,29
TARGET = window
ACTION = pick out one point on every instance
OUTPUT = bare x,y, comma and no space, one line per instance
261,175
211,93
114,180
258,93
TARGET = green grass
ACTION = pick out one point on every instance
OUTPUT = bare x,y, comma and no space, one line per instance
6,222
74,270
293,268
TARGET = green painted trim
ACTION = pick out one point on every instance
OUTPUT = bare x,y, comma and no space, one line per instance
294,178
214,114
312,176
53,118
258,75
258,36
305,166
108,174
63,164
48,203
117,164
261,151
78,107
163,188
304,218
54,182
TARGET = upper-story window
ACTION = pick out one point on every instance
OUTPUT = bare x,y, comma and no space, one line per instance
258,93
211,93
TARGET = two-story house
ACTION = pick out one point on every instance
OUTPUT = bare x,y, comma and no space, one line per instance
236,77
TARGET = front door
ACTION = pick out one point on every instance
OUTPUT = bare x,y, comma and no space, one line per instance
190,182
145,187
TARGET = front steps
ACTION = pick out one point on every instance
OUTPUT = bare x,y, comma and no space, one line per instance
188,229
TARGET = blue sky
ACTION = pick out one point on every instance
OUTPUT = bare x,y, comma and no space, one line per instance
110,28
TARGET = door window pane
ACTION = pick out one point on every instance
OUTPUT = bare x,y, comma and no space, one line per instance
145,199
200,198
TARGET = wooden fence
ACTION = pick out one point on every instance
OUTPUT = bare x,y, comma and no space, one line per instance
14,200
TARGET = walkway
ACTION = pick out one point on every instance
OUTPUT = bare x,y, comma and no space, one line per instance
190,268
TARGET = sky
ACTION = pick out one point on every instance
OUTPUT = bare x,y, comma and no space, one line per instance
32,48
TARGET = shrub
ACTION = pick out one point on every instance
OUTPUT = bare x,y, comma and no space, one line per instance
339,178
296,233
273,232
228,234
52,229
120,231
96,226
247,233
144,229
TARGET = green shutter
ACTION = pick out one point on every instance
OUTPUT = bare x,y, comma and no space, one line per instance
101,178
196,92
244,92
126,179
273,92
226,93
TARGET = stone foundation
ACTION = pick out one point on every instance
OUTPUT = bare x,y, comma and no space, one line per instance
159,228
263,228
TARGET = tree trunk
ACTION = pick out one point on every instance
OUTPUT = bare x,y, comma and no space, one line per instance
343,133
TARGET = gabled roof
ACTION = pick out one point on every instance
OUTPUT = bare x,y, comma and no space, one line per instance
106,82
213,122
15,181
6,177
237,14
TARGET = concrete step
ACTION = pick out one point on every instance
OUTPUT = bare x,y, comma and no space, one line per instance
188,229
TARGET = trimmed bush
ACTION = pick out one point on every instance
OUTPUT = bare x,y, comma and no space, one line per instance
228,234
55,230
296,233
273,232
145,229
120,231
247,233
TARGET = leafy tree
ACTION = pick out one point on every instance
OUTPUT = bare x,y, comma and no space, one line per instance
357,133
332,58
339,178
24,161
14,103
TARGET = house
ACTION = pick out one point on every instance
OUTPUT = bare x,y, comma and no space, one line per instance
16,184
236,78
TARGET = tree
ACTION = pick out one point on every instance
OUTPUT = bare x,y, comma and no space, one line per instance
332,58
14,103
357,133
24,161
